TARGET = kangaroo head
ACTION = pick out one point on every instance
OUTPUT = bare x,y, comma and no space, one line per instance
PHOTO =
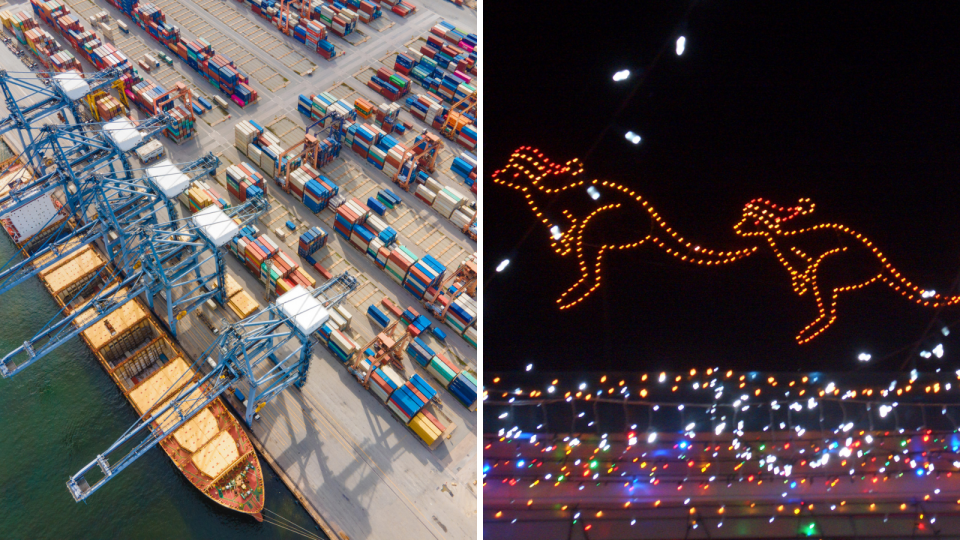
528,168
763,218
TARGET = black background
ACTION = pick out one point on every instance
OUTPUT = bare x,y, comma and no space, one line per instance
853,104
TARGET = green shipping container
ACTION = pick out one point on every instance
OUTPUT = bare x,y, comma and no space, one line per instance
441,371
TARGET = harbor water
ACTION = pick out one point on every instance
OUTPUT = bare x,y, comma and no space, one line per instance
59,413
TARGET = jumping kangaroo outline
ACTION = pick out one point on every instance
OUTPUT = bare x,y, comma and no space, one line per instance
769,221
528,168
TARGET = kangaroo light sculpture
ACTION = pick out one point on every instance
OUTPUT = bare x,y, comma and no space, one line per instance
803,251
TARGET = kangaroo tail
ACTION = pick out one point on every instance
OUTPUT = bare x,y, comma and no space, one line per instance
921,296
687,251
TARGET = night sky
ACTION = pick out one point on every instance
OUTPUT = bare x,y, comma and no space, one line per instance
855,105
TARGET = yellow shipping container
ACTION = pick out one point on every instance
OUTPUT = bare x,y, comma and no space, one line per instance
306,276
7,19
424,428
283,286
200,197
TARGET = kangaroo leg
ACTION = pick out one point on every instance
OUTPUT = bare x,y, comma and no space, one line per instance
589,259
828,314
827,307
590,242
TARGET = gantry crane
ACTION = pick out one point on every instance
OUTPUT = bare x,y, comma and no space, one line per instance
283,17
164,102
423,156
386,346
465,105
63,156
94,95
168,259
269,351
463,280
308,148
121,208
63,93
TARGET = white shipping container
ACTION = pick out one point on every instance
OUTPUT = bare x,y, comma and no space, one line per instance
392,374
426,193
460,219
150,151
433,185
380,393
254,153
338,321
377,224
347,317
466,157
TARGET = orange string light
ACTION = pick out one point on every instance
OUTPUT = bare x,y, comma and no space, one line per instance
761,219
768,219
529,167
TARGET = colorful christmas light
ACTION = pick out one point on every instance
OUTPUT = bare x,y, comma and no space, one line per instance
841,465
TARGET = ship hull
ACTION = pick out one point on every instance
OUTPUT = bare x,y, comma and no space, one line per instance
239,487
247,469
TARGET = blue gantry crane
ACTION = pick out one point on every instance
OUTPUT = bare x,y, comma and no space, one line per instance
64,156
269,350
122,208
64,92
170,257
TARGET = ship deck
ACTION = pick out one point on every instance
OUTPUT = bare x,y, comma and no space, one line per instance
210,449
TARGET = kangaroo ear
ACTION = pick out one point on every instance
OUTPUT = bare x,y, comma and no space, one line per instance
573,167
522,169
804,207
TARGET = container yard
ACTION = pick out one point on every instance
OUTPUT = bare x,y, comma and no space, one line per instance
291,283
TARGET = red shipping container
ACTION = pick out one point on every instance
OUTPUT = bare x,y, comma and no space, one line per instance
384,73
447,361
433,419
396,259
417,393
451,50
361,151
347,214
323,271
363,207
420,275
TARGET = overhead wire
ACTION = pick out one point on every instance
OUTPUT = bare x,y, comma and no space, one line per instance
623,105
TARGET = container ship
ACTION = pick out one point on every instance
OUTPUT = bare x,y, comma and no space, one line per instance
211,449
